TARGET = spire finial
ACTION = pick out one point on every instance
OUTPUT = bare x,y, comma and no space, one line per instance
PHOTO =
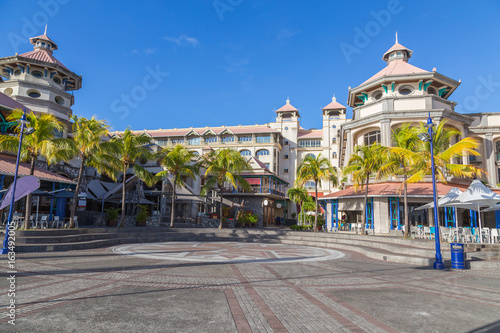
396,37
288,100
334,99
45,32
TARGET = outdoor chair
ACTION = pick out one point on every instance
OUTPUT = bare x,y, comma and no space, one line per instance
485,234
414,231
75,219
494,236
33,223
44,223
57,222
427,231
466,235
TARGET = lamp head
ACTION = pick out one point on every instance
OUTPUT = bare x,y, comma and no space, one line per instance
424,137
29,130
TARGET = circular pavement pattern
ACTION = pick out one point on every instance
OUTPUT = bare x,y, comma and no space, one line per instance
228,252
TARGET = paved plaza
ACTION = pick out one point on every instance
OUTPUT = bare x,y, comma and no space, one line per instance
242,287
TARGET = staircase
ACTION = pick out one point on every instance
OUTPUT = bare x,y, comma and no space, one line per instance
415,252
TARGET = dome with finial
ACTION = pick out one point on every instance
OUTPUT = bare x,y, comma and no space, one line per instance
397,52
334,105
43,42
287,107
397,63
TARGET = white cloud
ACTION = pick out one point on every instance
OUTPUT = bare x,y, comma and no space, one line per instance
286,34
149,51
183,40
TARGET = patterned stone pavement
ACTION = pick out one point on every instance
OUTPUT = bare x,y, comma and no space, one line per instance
241,287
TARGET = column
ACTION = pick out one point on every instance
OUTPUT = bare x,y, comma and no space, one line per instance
490,159
348,147
385,132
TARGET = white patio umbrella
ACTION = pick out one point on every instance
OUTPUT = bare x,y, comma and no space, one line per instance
476,197
451,195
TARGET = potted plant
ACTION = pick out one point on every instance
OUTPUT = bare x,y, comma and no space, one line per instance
112,216
142,216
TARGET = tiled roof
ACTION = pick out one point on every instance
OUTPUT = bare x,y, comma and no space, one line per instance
42,55
44,37
8,167
287,107
310,134
395,189
396,67
397,47
334,105
217,130
9,103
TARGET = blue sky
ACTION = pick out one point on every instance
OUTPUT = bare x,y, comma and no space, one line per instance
229,62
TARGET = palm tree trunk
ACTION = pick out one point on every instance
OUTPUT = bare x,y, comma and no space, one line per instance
172,211
28,197
316,209
75,197
300,207
407,222
124,192
220,208
366,204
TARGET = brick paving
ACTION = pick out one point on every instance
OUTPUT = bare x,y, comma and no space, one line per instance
242,287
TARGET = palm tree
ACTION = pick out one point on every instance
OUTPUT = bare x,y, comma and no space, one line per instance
224,166
132,148
43,142
404,137
88,146
299,196
177,162
364,163
316,169
444,153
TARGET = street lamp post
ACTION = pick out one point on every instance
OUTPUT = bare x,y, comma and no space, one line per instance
5,248
438,264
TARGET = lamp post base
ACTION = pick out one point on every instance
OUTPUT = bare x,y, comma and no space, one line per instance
438,265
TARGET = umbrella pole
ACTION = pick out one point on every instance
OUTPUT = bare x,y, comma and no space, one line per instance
37,207
480,232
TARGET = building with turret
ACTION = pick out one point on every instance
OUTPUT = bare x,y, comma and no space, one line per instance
39,81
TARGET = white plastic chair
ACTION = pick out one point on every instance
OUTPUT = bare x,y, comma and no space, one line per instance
75,219
467,235
56,221
427,231
495,236
44,223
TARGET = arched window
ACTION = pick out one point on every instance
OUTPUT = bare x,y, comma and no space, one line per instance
245,152
371,137
310,185
262,152
310,155
334,155
498,150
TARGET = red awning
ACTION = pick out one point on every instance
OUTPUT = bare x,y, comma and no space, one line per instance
253,181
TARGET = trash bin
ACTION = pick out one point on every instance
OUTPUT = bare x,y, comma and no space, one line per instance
457,256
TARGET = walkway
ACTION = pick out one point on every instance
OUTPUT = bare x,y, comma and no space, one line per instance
242,287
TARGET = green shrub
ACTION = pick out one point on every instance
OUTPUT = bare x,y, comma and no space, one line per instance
143,214
112,213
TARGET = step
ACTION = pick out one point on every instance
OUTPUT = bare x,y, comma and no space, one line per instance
377,248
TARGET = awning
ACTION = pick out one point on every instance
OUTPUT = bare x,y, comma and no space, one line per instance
253,181
8,167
